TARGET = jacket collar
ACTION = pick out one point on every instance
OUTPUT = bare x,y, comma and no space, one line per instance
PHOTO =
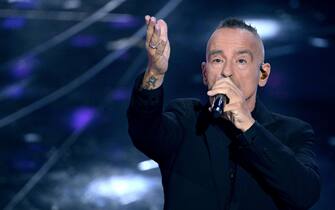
261,114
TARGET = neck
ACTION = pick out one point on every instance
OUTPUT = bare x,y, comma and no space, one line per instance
251,102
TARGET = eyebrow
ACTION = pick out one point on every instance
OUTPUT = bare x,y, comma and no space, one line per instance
213,52
246,51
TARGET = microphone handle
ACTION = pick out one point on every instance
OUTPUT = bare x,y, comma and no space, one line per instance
219,102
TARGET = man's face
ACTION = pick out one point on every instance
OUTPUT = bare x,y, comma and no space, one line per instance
234,53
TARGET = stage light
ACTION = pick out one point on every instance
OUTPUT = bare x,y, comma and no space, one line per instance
13,23
124,21
319,42
266,28
14,91
82,117
23,68
147,165
23,4
123,189
72,4
32,138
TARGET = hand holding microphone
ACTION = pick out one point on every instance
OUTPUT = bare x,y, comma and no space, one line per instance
230,103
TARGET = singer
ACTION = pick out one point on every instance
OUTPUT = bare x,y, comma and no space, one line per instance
248,158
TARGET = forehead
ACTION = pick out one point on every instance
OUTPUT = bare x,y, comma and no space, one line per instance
233,40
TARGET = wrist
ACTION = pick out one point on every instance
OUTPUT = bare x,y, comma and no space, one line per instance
248,125
152,80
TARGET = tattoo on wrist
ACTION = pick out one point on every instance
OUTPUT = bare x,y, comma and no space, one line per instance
150,83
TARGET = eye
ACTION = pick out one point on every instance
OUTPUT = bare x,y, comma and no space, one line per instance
217,60
242,61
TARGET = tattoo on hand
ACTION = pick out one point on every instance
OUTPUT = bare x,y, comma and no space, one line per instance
161,47
151,83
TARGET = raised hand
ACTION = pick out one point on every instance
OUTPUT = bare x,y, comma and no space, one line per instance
158,50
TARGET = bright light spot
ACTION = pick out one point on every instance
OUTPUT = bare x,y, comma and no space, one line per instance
319,42
14,91
265,28
82,117
124,21
125,189
24,4
147,165
32,138
14,1
14,23
72,4
23,68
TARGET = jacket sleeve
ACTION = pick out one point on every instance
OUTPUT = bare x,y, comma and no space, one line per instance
289,174
153,132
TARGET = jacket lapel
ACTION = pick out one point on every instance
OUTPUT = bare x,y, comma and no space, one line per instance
217,138
261,114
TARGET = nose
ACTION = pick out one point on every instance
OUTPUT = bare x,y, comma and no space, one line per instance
227,71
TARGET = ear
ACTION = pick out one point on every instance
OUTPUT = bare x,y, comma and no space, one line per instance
264,74
204,73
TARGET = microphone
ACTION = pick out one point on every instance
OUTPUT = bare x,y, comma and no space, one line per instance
219,102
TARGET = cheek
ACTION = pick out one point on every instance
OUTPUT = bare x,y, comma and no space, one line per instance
248,84
211,76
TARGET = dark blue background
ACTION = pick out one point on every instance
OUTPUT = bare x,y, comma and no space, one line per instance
80,136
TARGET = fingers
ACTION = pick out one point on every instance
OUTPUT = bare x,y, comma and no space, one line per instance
231,111
163,29
231,93
155,39
226,82
156,33
232,107
227,87
147,19
224,89
161,47
163,37
151,22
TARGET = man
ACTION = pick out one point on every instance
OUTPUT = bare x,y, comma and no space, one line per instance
248,158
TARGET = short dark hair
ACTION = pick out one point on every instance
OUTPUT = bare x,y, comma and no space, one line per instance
237,23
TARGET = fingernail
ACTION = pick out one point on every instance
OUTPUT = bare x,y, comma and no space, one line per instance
147,19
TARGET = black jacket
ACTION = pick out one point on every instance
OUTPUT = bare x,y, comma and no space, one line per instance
208,164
